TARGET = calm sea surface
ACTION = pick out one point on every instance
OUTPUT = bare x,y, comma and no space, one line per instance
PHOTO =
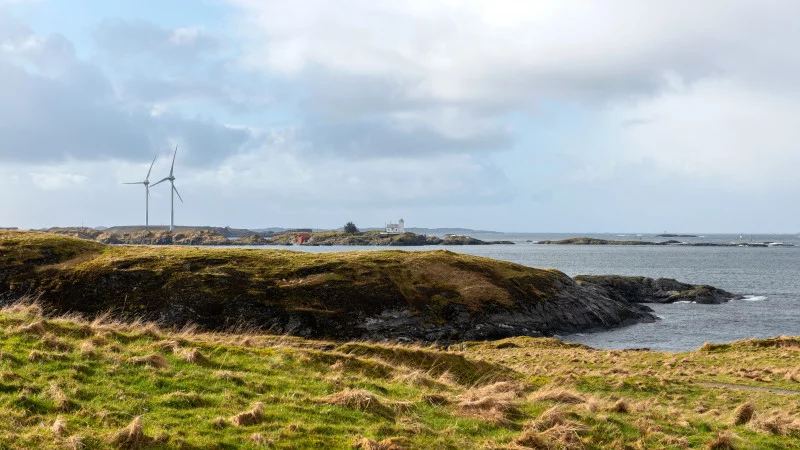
770,277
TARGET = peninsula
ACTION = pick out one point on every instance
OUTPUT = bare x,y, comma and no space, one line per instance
420,296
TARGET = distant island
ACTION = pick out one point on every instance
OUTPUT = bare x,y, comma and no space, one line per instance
594,241
228,236
669,235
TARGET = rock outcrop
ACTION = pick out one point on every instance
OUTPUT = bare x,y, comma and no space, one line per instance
649,290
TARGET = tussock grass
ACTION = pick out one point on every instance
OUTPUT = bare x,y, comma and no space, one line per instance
361,400
155,360
132,436
434,363
251,417
392,443
558,395
556,415
724,441
59,427
194,356
75,442
744,413
779,423
497,402
621,406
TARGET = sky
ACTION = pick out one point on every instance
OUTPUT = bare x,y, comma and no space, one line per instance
548,116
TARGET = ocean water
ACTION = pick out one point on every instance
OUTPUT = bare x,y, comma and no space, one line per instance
769,277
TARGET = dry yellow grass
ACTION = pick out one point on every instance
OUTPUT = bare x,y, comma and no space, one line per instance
59,427
360,400
548,419
194,356
251,417
132,436
724,441
495,402
558,394
75,443
743,413
386,444
155,360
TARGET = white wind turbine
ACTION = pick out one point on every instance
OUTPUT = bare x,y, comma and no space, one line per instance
146,184
171,179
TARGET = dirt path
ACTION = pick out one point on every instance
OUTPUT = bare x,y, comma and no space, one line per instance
751,388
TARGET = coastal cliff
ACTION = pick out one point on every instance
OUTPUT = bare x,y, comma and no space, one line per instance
429,296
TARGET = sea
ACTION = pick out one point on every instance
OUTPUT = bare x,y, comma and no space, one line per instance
769,278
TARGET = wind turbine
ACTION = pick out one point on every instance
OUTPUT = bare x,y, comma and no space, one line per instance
171,179
146,184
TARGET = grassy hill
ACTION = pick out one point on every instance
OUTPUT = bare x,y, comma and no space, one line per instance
72,383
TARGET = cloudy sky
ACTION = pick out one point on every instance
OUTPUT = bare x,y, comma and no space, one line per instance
616,115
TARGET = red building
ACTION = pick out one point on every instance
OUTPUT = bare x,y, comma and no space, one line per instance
302,238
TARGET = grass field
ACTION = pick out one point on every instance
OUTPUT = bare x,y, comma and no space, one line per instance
70,383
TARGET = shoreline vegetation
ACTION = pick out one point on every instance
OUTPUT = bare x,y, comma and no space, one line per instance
71,382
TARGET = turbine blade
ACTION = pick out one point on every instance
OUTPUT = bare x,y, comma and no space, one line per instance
137,182
165,179
176,191
147,178
173,160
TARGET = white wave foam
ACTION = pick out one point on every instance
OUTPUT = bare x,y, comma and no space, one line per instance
683,301
754,298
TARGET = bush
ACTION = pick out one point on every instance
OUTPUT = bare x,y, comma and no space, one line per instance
350,228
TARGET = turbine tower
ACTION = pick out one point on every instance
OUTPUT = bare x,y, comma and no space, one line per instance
171,179
146,184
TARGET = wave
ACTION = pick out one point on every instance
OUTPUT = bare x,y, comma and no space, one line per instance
754,298
683,301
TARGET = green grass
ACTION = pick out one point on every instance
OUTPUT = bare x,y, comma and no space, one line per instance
98,377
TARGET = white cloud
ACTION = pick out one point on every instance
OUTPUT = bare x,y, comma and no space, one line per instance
51,181
718,131
506,51
707,89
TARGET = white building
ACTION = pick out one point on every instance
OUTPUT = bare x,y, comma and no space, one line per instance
396,228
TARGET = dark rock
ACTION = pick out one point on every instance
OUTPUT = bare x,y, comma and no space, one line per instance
649,290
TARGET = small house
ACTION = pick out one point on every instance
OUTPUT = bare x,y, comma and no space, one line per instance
396,228
303,238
